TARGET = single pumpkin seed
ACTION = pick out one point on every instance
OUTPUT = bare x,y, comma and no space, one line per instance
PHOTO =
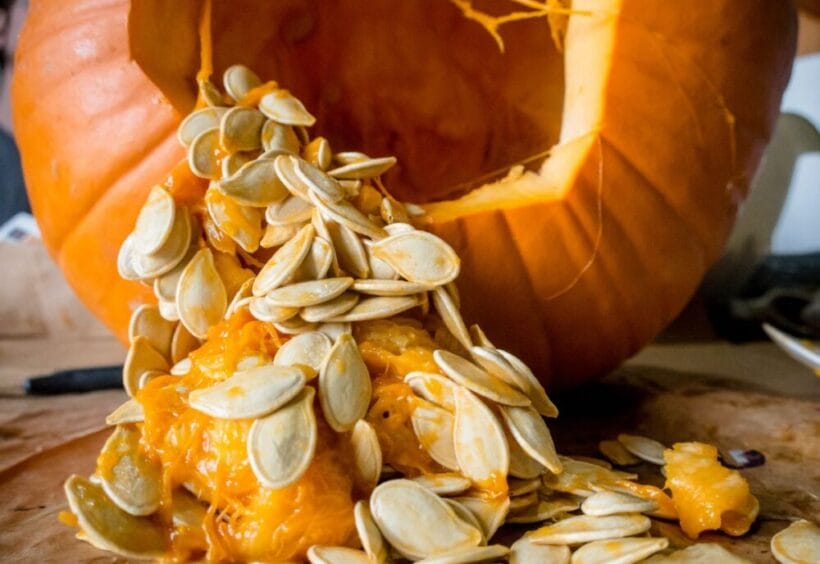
146,377
201,297
263,310
346,214
241,298
284,108
618,551
318,554
172,251
276,235
278,137
165,286
523,501
141,357
335,330
434,528
451,317
197,122
125,259
281,445
312,292
154,222
318,153
467,516
467,374
367,455
434,388
238,80
203,154
544,509
392,211
582,529
350,251
444,484
582,478
187,510
319,183
480,445
617,453
209,93
233,162
520,487
108,527
241,223
376,287
284,262
333,308
468,555
129,412
147,322
378,268
433,427
490,512
479,338
419,257
344,385
133,481
255,184
612,503
524,551
285,165
182,367
321,227
168,310
249,394
644,448
364,168
317,263
534,390
377,308
797,543
240,129
369,534
288,211
493,362
295,326
531,433
521,464
307,350
347,157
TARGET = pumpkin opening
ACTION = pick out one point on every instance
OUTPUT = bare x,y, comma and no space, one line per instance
428,85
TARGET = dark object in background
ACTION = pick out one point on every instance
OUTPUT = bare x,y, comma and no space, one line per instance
12,189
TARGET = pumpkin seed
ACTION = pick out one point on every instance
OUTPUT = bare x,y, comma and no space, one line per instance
187,510
480,445
281,445
255,184
133,481
233,162
168,310
378,268
433,427
490,512
238,80
444,484
317,554
170,254
141,357
521,502
278,137
619,551
369,534
468,555
352,188
583,479
312,292
128,412
201,297
345,213
318,153
165,286
203,154
392,211
154,222
467,374
263,310
241,298
251,361
308,350
344,385
451,317
110,528
700,553
285,166
586,528
434,388
612,503
521,465
419,257
290,210
644,448
240,129
146,377
126,258
241,223
347,157
531,433
147,322
209,93
335,330
376,308
249,394
493,362
276,235
376,287
434,528
467,516
294,326
593,460
333,308
317,264
182,367
534,390
349,249
524,551
479,338
797,543
197,122
363,168
617,453
284,262
319,183
367,455
544,509
284,108
320,225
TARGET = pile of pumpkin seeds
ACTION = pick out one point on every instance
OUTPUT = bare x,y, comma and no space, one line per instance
344,251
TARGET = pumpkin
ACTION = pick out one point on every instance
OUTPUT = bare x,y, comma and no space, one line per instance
630,136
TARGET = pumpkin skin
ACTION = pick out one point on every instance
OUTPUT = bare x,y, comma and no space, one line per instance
657,115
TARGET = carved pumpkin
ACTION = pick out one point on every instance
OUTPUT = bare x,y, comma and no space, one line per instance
638,139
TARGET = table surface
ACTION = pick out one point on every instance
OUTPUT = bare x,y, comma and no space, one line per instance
748,396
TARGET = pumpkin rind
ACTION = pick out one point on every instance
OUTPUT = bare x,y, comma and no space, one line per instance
643,195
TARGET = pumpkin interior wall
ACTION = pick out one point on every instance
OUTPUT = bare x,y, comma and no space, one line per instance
411,79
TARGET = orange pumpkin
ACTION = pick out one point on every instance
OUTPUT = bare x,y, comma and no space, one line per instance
639,140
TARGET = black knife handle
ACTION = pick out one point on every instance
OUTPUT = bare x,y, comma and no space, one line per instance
76,381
